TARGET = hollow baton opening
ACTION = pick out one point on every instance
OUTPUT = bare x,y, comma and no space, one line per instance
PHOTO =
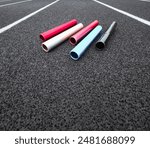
100,45
44,48
72,41
74,55
41,37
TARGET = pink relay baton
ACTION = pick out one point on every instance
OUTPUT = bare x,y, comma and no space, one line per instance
55,31
82,33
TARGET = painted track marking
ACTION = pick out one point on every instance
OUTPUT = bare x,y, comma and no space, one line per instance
14,3
5,1
145,0
146,22
26,17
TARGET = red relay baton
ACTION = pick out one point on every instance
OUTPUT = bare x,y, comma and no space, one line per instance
82,33
52,32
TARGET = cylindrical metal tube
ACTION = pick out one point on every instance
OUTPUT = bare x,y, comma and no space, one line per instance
102,41
55,31
84,44
55,41
82,33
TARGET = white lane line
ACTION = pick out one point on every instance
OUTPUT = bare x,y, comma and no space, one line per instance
26,17
14,3
145,0
125,13
5,1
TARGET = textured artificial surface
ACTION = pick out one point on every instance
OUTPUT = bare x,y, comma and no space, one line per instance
104,90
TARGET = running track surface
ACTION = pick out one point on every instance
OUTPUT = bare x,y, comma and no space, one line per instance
104,90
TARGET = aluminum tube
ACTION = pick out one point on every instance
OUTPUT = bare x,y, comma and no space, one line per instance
102,41
82,33
55,41
84,44
55,31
